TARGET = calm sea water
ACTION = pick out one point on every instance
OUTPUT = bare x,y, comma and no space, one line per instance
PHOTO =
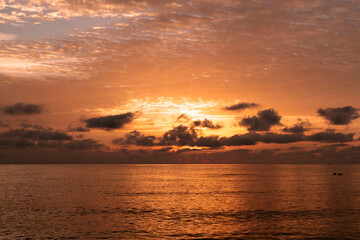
179,202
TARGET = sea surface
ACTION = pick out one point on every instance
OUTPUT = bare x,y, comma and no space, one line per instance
179,202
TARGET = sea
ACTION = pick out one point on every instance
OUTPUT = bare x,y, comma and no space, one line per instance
188,201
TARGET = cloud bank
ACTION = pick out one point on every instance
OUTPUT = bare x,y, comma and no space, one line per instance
112,121
23,109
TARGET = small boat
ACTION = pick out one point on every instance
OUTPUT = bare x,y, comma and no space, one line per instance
340,174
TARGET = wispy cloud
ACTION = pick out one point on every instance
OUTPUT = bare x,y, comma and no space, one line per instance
160,32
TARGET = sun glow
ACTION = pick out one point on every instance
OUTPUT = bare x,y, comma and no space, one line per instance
163,106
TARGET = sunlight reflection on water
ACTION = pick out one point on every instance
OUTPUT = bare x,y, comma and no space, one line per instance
179,201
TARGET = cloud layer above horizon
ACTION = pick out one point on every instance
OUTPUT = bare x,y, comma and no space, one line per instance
180,77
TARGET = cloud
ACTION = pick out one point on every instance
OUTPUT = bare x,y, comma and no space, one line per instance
330,130
135,138
340,145
299,127
23,109
26,126
180,135
188,136
165,149
73,145
340,115
85,144
271,137
188,150
16,143
45,138
206,124
23,138
253,138
264,120
183,117
77,129
243,139
112,121
295,148
242,106
45,134
2,124
321,155
209,141
330,137
190,28
143,151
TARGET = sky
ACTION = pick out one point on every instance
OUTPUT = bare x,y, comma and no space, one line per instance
154,81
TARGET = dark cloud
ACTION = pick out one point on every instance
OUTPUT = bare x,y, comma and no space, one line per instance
330,130
206,124
210,141
85,144
135,138
197,123
77,129
45,139
242,106
320,155
25,138
264,120
339,145
300,127
267,151
330,137
143,151
271,137
188,136
180,135
112,121
340,115
44,134
188,150
295,129
16,143
3,124
33,126
23,109
251,138
243,139
73,145
165,149
79,136
183,117
295,148
352,149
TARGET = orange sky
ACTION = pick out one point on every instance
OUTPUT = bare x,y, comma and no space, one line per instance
64,62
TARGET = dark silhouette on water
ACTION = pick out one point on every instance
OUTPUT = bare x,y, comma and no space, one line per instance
340,174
